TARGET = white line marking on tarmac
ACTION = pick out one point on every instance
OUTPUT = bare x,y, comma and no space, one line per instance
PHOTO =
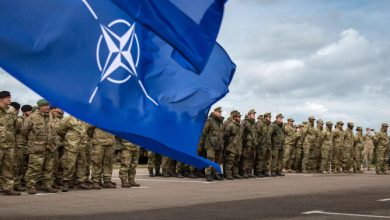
384,200
343,214
42,194
177,181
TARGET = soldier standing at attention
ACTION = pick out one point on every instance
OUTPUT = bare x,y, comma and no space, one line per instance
249,142
338,142
289,145
129,163
299,149
74,133
7,143
381,141
315,153
40,132
278,138
154,163
309,135
357,154
326,148
368,149
21,151
212,142
264,152
349,142
232,134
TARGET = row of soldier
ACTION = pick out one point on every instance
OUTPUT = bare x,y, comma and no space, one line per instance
43,150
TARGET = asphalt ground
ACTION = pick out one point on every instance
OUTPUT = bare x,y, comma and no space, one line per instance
295,196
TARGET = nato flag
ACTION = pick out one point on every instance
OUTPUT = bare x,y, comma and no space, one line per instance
118,70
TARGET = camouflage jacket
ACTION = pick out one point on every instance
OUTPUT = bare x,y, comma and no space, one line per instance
21,142
277,136
233,136
359,142
309,134
300,139
349,139
212,134
265,131
40,132
368,142
328,139
126,145
249,136
73,132
102,138
7,128
291,136
56,123
338,138
319,140
381,141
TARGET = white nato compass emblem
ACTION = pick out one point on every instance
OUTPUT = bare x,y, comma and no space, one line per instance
123,52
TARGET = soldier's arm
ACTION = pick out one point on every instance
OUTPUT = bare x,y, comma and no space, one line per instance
63,127
26,128
202,139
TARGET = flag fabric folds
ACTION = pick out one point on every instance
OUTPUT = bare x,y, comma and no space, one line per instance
106,65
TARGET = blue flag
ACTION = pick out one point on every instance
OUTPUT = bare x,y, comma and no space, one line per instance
103,64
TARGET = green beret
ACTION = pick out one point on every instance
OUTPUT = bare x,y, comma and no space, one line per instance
218,109
252,111
42,102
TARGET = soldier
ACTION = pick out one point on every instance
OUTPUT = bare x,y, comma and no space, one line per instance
326,148
224,139
74,133
129,163
347,151
357,153
249,142
182,170
309,135
40,132
102,158
381,142
7,143
338,142
233,149
154,163
289,149
278,140
21,152
168,166
264,147
299,149
315,153
57,115
211,141
368,149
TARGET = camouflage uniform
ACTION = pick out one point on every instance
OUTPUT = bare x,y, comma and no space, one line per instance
212,142
233,149
129,162
358,150
154,162
289,148
7,147
21,154
309,134
102,156
58,169
315,153
278,139
40,131
338,142
76,139
249,143
264,154
368,150
381,142
326,148
168,166
347,151
299,150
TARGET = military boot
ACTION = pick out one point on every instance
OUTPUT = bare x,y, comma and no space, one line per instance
229,177
179,175
273,174
56,186
260,175
11,193
108,185
31,190
209,178
250,174
192,175
236,176
96,186
125,184
50,189
20,188
84,185
65,186
266,174
134,184
157,172
218,176
151,174
280,174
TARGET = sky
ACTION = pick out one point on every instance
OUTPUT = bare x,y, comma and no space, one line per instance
326,58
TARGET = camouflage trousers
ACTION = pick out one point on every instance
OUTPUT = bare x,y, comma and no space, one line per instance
40,168
129,163
337,159
289,156
167,165
347,159
57,174
154,161
215,156
248,159
277,160
315,159
298,159
357,159
182,168
306,157
102,159
263,159
6,168
231,163
88,160
326,154
20,165
73,164
368,155
382,157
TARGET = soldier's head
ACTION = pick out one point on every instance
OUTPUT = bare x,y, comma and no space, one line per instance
16,106
279,119
329,125
26,110
295,128
350,125
252,114
290,121
339,125
359,129
43,106
267,117
217,111
5,99
300,127
384,127
320,123
237,116
368,130
260,118
311,120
